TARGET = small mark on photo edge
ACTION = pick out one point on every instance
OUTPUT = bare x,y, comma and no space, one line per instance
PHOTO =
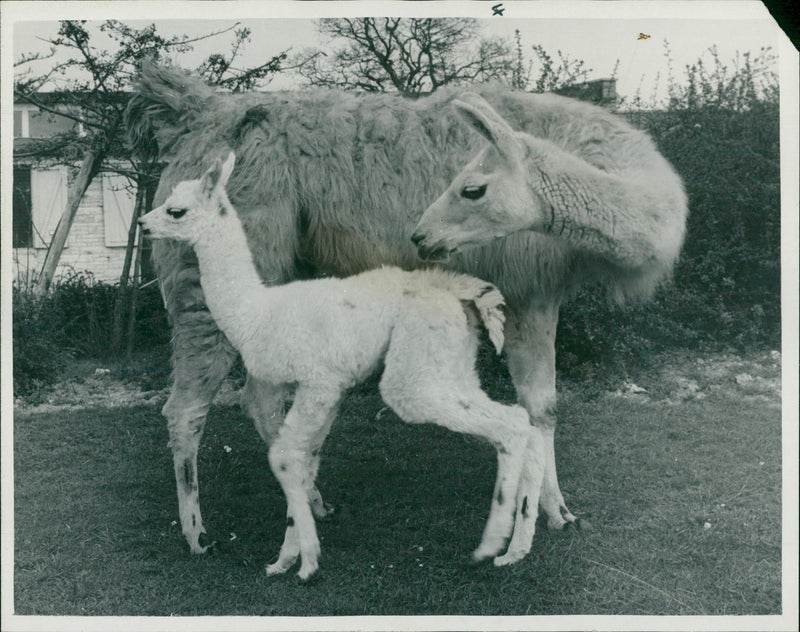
643,36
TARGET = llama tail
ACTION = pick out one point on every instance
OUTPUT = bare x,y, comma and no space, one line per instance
489,302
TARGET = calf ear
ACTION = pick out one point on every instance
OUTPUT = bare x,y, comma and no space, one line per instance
218,174
480,116
212,177
227,168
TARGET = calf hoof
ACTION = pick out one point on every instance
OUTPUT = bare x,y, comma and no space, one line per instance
583,525
313,578
510,557
323,511
278,568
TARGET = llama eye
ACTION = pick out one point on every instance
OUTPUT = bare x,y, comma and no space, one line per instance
176,213
473,193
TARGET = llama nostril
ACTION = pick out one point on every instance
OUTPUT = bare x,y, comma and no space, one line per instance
417,238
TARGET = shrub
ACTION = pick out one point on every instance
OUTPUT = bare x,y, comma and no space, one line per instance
720,130
75,320
38,359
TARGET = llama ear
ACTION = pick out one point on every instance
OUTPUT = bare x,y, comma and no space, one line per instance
481,117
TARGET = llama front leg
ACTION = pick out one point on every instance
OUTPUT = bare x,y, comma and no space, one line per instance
185,411
201,359
530,488
530,349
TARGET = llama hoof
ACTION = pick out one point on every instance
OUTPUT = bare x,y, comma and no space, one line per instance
324,511
204,542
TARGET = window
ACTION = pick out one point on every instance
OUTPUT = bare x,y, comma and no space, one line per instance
18,114
22,222
118,206
48,199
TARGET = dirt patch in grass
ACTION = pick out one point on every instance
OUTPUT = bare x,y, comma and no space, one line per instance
672,378
676,378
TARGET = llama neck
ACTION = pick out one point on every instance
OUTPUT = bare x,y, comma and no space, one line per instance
588,208
229,279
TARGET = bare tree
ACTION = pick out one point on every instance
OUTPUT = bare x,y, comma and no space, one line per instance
90,85
408,55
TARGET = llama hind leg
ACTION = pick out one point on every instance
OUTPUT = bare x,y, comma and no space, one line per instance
290,455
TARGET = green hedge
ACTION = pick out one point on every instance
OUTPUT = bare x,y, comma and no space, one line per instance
725,292
74,321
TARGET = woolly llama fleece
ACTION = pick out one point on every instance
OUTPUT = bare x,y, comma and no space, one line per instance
337,183
324,336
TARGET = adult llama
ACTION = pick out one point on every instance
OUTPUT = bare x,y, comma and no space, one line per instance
336,182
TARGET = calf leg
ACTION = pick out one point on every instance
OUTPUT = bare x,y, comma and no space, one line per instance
530,349
264,402
450,396
319,507
289,456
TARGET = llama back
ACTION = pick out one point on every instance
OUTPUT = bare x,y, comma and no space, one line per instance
339,180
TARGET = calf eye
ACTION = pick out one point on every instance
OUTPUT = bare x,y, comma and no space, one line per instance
473,193
176,213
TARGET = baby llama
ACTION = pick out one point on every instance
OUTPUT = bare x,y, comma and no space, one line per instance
324,336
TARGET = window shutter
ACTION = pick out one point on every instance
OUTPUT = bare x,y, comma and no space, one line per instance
48,198
118,206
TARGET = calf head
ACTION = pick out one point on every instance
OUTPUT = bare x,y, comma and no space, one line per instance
490,198
194,208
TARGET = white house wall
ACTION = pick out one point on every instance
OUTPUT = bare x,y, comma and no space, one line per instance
86,246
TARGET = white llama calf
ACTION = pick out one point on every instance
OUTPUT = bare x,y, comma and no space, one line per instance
326,335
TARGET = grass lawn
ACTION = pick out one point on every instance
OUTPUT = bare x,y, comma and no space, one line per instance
684,497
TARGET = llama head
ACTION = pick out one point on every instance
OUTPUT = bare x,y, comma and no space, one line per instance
194,208
490,198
